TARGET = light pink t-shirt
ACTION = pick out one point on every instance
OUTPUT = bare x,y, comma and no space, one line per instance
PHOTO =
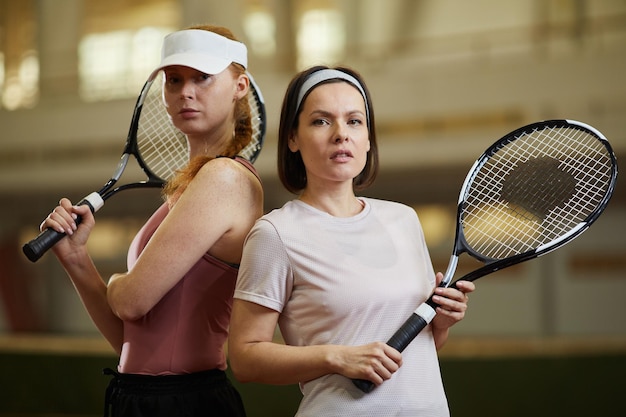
348,281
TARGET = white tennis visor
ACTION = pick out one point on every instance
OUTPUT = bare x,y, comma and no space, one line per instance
202,50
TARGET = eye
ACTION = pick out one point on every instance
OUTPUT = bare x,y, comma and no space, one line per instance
172,79
319,122
355,121
203,77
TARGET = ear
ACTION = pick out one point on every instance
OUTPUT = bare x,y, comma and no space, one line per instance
243,84
293,145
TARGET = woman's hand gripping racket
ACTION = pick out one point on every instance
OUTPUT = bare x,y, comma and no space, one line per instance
531,192
159,148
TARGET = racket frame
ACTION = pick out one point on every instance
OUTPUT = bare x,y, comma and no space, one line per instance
493,265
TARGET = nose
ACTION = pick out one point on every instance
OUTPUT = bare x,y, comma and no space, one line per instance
341,135
186,90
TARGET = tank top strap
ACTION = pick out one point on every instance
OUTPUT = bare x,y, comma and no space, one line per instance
248,164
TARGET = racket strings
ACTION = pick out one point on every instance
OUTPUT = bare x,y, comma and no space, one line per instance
257,115
163,148
535,189
538,185
589,163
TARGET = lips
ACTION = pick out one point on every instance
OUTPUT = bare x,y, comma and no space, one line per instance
341,154
187,112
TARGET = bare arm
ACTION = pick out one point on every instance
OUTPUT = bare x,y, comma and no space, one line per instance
73,256
254,357
213,214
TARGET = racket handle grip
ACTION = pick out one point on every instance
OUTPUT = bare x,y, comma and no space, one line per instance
37,247
404,335
409,331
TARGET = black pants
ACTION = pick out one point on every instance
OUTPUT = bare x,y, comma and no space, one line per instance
207,393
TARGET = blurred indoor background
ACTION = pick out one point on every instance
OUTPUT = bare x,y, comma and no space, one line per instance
448,78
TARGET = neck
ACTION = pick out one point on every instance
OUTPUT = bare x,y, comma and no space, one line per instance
210,145
337,206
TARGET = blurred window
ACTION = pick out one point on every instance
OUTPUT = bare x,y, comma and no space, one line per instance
121,44
116,64
260,28
19,60
321,37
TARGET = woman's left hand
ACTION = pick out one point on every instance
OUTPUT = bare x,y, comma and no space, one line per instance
452,303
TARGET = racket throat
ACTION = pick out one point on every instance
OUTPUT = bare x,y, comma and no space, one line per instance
447,278
93,200
427,311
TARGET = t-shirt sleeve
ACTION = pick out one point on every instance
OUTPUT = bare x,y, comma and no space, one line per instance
265,275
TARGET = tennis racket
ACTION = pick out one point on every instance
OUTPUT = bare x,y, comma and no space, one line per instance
531,192
159,148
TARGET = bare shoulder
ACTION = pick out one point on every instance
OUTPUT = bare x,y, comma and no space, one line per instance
232,193
232,184
226,172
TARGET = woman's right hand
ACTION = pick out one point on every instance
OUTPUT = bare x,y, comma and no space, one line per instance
375,362
63,220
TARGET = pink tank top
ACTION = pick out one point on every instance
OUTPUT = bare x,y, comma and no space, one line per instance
186,331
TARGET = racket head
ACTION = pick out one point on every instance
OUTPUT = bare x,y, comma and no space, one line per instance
533,191
162,149
258,119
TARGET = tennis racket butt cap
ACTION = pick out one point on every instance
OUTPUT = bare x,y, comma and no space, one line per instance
364,385
37,247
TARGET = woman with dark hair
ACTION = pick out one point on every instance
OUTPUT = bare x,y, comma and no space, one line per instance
338,273
168,315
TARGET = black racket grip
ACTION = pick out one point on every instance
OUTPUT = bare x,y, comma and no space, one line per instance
409,331
399,341
364,385
37,247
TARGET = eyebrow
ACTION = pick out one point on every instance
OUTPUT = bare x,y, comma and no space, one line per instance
328,113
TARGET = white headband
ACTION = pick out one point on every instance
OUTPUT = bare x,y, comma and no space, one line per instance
330,74
202,50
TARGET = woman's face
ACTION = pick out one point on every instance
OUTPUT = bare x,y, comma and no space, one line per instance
200,104
332,134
